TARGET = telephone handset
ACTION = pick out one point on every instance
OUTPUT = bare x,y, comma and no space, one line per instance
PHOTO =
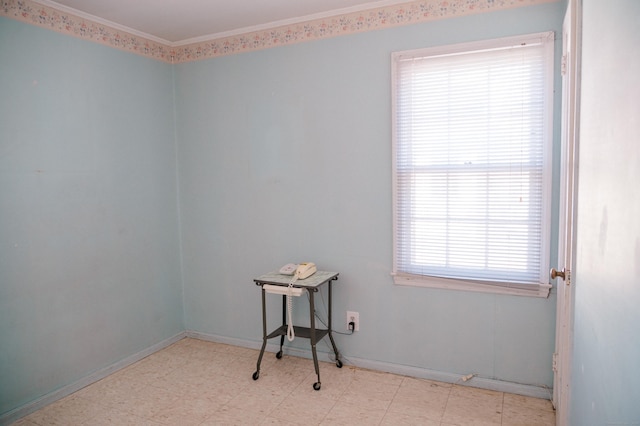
301,271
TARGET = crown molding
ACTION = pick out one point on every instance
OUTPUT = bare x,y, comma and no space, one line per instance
100,21
288,22
73,24
389,13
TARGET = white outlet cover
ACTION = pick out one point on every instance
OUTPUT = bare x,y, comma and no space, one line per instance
356,320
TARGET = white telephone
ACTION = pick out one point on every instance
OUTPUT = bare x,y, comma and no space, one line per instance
301,271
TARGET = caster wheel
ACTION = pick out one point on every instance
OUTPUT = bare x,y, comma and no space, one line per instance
316,385
279,355
339,364
256,375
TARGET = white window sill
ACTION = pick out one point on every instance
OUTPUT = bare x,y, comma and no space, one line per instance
531,290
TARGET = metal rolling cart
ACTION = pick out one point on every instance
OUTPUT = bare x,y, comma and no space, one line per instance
312,285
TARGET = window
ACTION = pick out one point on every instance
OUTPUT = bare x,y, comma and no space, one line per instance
472,128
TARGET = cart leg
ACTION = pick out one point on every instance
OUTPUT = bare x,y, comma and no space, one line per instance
264,336
333,343
312,331
284,322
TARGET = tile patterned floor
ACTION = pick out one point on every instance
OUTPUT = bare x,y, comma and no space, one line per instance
194,382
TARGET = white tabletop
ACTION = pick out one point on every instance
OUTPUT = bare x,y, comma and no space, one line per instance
315,280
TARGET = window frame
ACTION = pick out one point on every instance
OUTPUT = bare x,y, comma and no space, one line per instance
543,287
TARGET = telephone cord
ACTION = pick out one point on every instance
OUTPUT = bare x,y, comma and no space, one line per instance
290,332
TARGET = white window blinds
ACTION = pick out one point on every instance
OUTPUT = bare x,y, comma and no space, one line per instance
472,140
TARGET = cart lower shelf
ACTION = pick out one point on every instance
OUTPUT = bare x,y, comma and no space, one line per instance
304,332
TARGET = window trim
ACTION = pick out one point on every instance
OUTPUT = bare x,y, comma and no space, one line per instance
543,287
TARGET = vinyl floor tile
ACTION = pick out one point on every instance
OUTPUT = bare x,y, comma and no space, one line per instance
200,383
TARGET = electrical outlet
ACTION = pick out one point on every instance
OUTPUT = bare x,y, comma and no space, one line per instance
355,318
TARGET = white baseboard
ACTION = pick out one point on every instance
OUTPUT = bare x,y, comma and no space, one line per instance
475,381
403,370
67,390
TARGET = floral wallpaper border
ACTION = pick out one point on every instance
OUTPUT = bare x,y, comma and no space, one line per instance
385,17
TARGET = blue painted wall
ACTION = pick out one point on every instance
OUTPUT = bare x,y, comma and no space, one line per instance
606,358
89,249
285,156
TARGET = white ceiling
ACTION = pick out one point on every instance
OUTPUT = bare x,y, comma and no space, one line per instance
178,22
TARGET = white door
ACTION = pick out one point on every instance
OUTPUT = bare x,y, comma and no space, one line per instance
562,272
